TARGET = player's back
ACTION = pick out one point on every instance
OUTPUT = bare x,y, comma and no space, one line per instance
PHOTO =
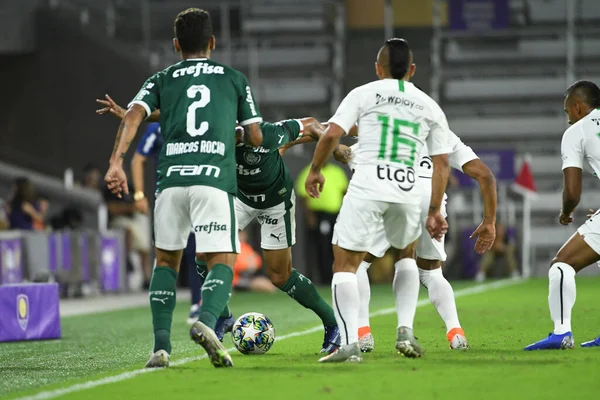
394,126
200,101
581,142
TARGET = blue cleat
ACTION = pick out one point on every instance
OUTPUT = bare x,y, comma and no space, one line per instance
223,326
592,343
331,339
554,342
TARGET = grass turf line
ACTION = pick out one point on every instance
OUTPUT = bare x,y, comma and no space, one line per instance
51,394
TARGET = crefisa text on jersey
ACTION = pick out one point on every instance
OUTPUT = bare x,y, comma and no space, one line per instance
200,68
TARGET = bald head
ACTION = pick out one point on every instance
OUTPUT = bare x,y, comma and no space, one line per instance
580,99
395,59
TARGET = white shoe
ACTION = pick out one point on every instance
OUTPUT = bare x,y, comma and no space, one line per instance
366,343
459,342
480,277
407,344
160,359
346,353
206,337
515,275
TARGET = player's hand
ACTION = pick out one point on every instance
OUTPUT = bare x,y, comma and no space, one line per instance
116,180
239,135
486,235
343,154
110,107
142,206
436,225
591,213
565,219
314,184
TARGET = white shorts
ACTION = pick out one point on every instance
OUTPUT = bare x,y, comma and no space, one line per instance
207,211
277,224
360,219
590,231
427,248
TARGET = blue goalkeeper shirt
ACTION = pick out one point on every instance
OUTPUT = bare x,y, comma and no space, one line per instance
151,143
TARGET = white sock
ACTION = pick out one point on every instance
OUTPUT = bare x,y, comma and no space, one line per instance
561,296
344,289
406,291
364,291
441,296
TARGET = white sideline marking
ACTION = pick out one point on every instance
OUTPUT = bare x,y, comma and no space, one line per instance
51,394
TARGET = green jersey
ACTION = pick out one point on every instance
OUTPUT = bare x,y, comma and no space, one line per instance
199,101
263,178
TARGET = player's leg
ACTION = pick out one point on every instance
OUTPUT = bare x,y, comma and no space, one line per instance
378,248
581,250
406,274
441,296
212,214
352,237
278,235
195,279
171,222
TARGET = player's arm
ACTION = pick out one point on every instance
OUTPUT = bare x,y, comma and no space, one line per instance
146,101
572,165
247,114
438,143
342,121
572,181
111,107
486,231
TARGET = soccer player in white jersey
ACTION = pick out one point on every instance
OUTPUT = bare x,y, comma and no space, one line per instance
395,119
430,252
580,147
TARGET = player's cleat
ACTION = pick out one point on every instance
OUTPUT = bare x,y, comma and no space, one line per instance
160,359
457,339
194,314
366,343
554,342
592,343
331,339
345,353
223,326
406,343
205,337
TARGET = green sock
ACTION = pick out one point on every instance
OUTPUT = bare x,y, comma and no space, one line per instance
215,294
162,303
201,268
226,312
301,289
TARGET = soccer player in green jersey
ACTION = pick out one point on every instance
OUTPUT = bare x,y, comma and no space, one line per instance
266,193
197,177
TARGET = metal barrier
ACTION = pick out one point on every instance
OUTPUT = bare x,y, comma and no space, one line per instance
72,258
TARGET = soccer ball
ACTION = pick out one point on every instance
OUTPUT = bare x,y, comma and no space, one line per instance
253,333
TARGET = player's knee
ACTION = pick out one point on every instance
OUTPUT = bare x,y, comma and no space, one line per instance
279,278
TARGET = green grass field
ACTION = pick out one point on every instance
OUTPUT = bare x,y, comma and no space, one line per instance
101,356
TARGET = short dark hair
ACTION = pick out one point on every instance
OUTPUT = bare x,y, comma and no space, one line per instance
400,57
193,30
588,91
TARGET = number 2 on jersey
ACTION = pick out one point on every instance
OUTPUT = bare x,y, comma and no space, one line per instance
398,139
204,93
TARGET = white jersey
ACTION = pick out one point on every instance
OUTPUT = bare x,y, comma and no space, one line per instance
580,147
459,156
395,120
